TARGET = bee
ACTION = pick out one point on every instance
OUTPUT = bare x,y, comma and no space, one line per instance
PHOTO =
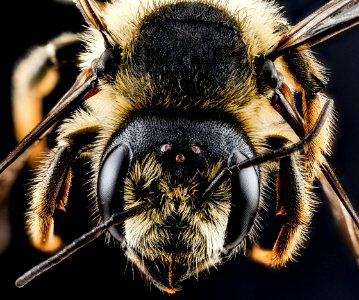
186,111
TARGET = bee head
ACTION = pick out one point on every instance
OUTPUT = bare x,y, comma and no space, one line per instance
167,163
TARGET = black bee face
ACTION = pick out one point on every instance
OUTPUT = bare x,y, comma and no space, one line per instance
167,164
171,98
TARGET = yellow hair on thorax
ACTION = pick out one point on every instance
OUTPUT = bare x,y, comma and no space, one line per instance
258,20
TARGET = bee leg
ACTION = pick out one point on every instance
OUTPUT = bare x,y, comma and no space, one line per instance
35,77
310,81
295,206
52,185
49,193
316,165
316,150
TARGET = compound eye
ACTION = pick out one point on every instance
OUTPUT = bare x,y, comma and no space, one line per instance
110,183
245,200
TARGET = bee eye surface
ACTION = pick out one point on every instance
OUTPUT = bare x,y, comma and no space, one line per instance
245,200
110,183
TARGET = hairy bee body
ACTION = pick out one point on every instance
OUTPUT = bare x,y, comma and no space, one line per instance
185,93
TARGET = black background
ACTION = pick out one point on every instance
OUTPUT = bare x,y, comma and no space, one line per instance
326,268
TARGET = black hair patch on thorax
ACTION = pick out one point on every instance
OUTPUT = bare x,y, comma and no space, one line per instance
191,48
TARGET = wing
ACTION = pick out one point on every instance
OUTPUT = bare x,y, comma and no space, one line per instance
333,18
347,227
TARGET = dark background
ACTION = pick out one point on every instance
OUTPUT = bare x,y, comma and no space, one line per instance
326,268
